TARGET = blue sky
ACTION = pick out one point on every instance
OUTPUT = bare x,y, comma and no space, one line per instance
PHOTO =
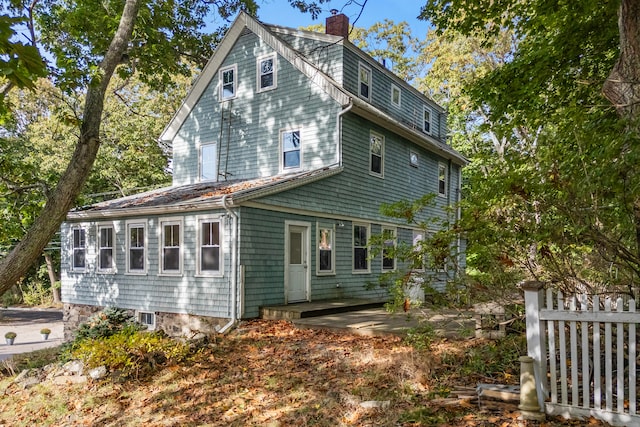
280,12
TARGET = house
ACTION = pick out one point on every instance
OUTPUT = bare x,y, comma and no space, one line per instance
284,150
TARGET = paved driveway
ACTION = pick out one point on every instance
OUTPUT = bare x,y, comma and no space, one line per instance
26,323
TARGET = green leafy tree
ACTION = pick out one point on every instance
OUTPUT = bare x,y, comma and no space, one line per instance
91,40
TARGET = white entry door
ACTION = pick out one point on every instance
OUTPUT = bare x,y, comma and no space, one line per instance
297,262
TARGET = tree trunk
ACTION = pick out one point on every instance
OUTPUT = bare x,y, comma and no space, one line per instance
53,278
18,261
622,87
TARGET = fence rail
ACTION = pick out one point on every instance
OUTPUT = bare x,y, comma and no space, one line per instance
585,354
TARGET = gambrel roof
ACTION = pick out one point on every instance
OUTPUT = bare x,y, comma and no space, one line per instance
313,73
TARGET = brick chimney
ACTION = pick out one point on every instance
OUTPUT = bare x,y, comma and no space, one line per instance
337,24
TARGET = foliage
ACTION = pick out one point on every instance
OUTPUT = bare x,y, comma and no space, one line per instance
10,335
104,324
45,331
130,352
31,360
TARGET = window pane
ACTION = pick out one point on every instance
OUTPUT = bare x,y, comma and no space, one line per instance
359,258
291,141
227,77
376,163
427,121
364,90
171,258
266,66
295,247
266,80
359,236
376,145
136,259
326,239
78,258
291,159
325,260
106,259
210,259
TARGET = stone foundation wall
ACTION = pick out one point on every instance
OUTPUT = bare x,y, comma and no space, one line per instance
173,324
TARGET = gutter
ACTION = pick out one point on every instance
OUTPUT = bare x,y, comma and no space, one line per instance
234,268
339,130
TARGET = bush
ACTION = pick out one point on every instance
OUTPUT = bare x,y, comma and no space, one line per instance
130,352
106,323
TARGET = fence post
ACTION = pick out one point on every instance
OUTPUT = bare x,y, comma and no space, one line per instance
536,334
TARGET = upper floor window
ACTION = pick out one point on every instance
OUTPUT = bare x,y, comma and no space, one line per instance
442,179
364,82
209,253
106,261
266,72
326,252
228,82
376,154
291,155
79,246
360,251
209,162
426,120
136,248
170,257
388,257
396,96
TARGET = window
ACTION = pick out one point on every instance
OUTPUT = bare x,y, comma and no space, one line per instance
388,258
326,253
79,245
418,261
364,82
105,248
291,156
170,257
266,73
209,253
376,150
396,95
360,255
147,319
413,159
426,120
136,244
209,162
228,82
442,179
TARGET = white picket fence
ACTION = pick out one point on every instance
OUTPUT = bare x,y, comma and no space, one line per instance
584,350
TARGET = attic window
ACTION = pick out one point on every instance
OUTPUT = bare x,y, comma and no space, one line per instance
364,82
266,72
228,82
426,122
442,179
396,95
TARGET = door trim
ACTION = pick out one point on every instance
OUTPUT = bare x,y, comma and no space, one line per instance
307,255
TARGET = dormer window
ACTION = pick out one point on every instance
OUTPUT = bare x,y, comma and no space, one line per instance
364,82
396,95
266,72
426,120
228,82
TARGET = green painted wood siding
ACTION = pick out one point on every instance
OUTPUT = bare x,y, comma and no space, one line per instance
185,293
327,56
356,193
256,119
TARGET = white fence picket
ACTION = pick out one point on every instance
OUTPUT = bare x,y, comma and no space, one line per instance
612,398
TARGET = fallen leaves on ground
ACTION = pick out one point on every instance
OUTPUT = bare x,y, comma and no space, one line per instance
269,373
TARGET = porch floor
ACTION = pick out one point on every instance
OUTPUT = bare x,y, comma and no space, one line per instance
318,308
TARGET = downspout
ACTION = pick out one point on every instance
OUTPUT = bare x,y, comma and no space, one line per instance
234,267
339,130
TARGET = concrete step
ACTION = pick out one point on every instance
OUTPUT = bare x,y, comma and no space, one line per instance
319,308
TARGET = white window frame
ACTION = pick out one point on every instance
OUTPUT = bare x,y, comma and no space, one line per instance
443,172
234,68
393,244
170,222
210,219
372,135
332,229
354,247
426,110
396,89
201,162
282,149
99,228
145,248
368,83
83,232
150,326
274,71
